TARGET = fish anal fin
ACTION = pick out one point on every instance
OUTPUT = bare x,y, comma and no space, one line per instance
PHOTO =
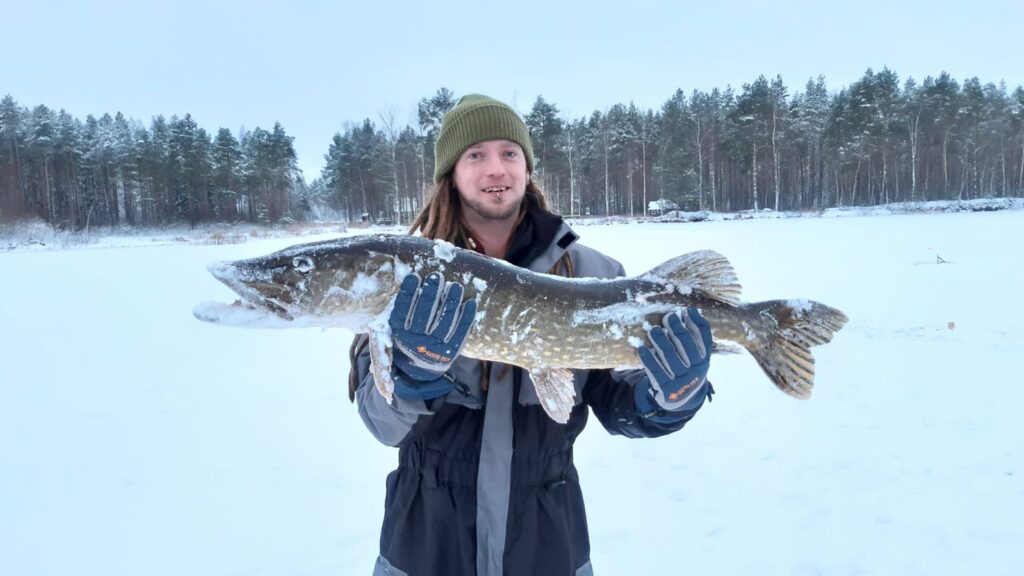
556,391
704,271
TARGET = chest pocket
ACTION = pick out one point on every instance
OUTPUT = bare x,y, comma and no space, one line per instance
528,394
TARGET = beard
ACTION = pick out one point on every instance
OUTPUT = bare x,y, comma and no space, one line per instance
487,209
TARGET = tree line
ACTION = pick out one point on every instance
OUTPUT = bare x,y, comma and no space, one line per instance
876,141
111,171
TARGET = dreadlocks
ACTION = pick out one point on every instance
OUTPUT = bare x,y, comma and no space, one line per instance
441,219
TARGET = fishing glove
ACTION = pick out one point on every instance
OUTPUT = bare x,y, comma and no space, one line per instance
429,324
676,364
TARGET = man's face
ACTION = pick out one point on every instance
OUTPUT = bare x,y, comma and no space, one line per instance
491,178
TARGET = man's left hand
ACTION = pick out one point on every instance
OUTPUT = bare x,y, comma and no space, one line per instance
676,362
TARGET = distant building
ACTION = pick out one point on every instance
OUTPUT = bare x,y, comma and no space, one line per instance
660,206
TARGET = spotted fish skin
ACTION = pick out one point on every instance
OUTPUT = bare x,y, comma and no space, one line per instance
546,324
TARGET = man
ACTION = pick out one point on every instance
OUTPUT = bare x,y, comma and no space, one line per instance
485,483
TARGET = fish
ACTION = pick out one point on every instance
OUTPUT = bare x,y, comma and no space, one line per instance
548,325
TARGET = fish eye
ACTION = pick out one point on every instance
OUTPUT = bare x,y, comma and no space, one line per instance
303,264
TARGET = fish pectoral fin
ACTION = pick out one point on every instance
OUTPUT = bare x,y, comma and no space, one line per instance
556,391
380,363
704,271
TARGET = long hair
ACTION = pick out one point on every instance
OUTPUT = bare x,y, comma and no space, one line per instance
441,219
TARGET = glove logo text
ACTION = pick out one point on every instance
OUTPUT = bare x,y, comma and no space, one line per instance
678,393
432,355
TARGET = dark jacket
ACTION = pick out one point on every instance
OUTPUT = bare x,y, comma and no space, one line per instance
485,482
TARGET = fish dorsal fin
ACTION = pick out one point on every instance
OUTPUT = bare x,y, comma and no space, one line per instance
704,271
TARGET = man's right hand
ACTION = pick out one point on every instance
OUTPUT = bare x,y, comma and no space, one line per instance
429,325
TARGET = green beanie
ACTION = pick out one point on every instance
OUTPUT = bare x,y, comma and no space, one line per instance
473,119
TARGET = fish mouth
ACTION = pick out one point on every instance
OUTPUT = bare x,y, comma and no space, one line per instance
248,284
268,305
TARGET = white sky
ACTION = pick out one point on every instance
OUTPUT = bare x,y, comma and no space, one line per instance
315,65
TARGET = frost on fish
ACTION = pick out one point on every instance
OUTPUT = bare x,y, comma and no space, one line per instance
702,271
444,250
748,331
380,363
239,315
622,313
800,306
363,285
544,324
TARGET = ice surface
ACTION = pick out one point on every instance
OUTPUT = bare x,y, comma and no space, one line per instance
137,440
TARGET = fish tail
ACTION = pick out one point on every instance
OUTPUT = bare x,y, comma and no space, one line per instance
789,328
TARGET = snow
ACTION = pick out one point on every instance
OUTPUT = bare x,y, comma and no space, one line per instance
362,285
444,251
625,313
799,306
480,284
239,315
137,440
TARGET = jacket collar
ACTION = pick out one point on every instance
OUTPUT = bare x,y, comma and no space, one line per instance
540,240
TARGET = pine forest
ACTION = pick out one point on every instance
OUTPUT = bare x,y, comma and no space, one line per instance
763,146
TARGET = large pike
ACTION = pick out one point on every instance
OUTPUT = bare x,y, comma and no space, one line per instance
543,323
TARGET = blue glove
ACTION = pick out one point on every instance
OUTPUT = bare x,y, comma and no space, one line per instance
676,364
429,324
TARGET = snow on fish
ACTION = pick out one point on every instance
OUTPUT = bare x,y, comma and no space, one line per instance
546,324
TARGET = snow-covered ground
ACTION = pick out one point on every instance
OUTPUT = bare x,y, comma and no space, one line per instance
137,440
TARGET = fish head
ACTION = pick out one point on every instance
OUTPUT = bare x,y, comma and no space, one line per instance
334,283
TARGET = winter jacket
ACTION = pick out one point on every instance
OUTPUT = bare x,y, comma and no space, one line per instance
485,482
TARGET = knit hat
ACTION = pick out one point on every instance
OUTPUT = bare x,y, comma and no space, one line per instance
476,118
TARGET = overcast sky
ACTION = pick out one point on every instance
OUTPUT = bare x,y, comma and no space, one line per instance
313,66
